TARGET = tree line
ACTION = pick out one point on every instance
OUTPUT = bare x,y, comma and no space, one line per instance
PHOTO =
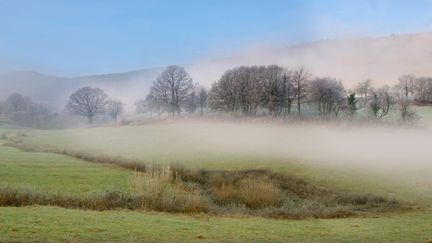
276,91
272,91
23,111
246,90
87,102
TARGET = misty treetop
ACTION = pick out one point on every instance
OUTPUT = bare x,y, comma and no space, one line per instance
91,102
88,102
329,96
173,92
271,91
274,90
22,110
115,108
172,88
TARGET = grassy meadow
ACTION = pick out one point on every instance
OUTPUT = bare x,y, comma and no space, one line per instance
300,150
57,224
58,173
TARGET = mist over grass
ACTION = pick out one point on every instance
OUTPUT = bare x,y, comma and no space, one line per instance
398,156
325,154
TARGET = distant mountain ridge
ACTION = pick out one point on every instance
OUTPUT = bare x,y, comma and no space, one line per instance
53,90
381,59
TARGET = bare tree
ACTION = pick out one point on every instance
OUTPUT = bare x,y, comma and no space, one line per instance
380,102
247,87
300,79
238,91
288,91
423,90
203,98
23,111
404,105
192,101
364,89
140,106
150,105
328,94
88,102
37,115
2,107
406,83
222,95
17,103
115,108
173,87
272,89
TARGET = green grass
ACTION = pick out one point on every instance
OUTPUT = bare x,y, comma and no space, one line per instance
56,224
425,114
57,173
165,143
199,146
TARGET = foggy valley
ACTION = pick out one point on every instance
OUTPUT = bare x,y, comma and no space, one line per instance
223,121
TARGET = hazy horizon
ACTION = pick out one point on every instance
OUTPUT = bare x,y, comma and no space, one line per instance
239,54
79,38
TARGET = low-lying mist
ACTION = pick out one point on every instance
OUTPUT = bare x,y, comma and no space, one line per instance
400,155
359,146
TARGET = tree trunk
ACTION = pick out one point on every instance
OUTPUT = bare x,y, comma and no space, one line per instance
289,108
90,119
298,105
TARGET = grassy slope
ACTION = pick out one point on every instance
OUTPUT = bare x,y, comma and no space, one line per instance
57,173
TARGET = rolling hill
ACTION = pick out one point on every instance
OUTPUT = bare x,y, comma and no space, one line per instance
381,59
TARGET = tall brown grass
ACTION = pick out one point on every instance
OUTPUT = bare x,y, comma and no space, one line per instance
166,193
253,192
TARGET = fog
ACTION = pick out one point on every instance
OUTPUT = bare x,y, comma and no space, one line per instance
359,146
398,153
390,156
382,59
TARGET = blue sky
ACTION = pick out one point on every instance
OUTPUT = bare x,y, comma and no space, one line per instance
80,37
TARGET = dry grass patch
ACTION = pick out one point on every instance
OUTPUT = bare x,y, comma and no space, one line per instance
165,193
253,192
270,194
